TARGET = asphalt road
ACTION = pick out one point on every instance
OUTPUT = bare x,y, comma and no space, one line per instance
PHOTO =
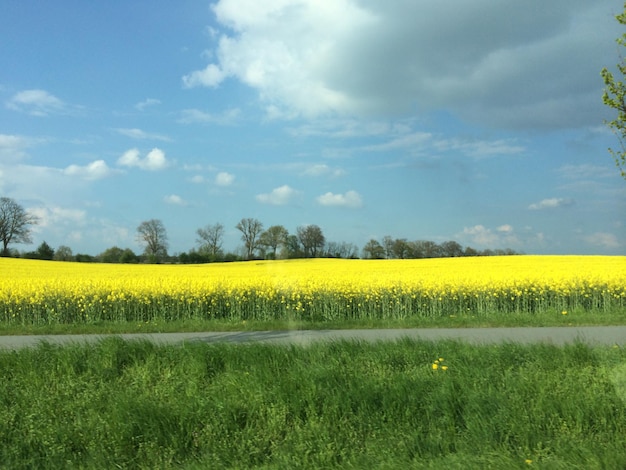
594,335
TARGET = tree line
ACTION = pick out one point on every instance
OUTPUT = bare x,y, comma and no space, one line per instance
275,242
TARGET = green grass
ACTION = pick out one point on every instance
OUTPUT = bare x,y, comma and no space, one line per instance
579,317
121,404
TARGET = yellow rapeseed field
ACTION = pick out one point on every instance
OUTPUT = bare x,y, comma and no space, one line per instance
45,292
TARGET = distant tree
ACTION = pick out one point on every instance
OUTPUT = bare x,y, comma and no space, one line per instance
293,248
210,240
388,246
14,222
250,231
400,248
128,256
341,250
45,251
373,250
469,251
84,258
274,237
111,255
153,236
312,240
63,253
451,249
614,96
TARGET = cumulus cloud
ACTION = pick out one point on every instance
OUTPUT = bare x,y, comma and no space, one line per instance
224,179
175,200
155,160
36,103
142,135
551,203
278,196
93,171
358,57
350,199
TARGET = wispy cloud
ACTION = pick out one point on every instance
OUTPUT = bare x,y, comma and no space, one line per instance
147,103
322,169
36,103
551,203
135,133
278,196
155,160
603,240
12,147
196,116
350,199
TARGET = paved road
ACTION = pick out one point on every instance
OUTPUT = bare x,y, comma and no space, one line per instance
595,335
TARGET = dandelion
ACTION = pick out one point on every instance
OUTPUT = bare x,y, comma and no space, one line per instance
435,365
564,312
528,461
444,367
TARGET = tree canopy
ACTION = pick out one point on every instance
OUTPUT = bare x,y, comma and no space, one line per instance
614,96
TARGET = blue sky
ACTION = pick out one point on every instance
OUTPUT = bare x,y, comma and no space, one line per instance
480,122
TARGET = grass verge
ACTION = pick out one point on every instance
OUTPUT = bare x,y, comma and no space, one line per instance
405,404
551,318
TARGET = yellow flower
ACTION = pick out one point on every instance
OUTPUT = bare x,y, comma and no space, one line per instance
435,366
528,461
564,312
444,367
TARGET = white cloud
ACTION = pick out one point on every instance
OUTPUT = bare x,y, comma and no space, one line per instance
94,171
323,170
175,200
278,196
307,57
551,203
153,161
224,179
350,199
146,103
142,135
36,103
12,147
210,76
53,216
504,236
195,116
603,240
198,179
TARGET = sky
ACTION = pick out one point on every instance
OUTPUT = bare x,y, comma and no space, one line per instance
480,122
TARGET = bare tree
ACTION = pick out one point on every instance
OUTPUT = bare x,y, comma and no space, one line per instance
14,222
153,235
250,230
274,237
210,239
312,240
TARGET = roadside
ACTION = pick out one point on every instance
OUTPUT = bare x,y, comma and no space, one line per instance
593,335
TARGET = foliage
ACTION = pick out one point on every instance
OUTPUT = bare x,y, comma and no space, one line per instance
320,290
614,96
137,405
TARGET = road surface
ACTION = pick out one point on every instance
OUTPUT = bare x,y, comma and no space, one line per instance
594,335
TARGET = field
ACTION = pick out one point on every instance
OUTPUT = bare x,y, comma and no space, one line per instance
405,404
388,405
313,291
